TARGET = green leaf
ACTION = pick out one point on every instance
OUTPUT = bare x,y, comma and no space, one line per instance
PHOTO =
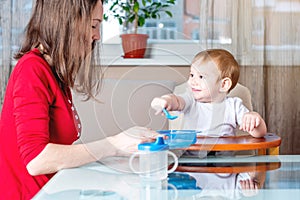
120,21
127,11
147,14
169,13
126,8
154,4
171,2
131,18
136,7
141,21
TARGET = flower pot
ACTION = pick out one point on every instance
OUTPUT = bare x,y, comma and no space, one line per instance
134,45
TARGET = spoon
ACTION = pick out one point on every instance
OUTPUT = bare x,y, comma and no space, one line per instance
168,115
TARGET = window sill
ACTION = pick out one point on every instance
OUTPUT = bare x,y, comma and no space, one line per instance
147,61
171,54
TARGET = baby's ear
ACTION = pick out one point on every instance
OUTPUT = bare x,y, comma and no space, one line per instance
225,84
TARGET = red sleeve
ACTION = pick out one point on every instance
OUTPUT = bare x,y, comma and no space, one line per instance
32,97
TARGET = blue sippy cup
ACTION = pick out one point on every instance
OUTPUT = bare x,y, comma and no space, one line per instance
153,160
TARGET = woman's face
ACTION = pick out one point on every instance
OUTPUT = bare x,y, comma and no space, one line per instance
97,17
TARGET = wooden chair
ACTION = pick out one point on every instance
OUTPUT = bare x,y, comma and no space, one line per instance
231,164
228,167
265,145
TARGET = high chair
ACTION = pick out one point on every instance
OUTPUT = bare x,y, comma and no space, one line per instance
243,143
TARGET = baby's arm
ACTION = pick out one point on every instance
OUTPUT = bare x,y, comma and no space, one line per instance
170,102
254,124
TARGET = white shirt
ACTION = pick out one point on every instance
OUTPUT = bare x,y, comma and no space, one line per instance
220,185
213,119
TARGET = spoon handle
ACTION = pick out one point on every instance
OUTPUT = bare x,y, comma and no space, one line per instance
168,115
166,112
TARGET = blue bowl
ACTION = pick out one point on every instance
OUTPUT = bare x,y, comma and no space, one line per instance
179,138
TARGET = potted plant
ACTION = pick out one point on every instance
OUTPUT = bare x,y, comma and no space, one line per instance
134,13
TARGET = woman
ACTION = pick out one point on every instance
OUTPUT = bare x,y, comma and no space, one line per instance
39,122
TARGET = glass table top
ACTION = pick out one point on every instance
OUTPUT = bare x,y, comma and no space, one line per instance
251,177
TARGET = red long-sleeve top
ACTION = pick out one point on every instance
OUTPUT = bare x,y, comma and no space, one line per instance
35,112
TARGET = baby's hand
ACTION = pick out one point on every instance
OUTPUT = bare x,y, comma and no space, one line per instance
158,104
250,121
249,187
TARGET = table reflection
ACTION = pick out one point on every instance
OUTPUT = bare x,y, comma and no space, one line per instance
219,185
257,177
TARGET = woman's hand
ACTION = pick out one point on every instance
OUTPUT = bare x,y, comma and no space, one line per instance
127,141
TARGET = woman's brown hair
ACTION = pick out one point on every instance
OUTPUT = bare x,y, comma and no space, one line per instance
63,30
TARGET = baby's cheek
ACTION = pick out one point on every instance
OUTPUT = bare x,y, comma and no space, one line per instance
189,82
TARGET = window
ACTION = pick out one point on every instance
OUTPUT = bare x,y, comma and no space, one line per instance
14,16
185,34
165,28
184,25
246,28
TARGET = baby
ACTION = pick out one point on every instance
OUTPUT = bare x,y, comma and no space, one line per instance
229,185
205,105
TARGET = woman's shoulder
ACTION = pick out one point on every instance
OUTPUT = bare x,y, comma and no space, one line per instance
33,70
31,58
32,63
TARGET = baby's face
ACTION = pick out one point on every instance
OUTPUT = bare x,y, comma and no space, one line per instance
205,82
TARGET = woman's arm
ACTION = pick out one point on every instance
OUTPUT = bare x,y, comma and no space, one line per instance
55,157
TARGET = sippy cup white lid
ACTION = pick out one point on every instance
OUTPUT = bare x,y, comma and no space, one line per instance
158,145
